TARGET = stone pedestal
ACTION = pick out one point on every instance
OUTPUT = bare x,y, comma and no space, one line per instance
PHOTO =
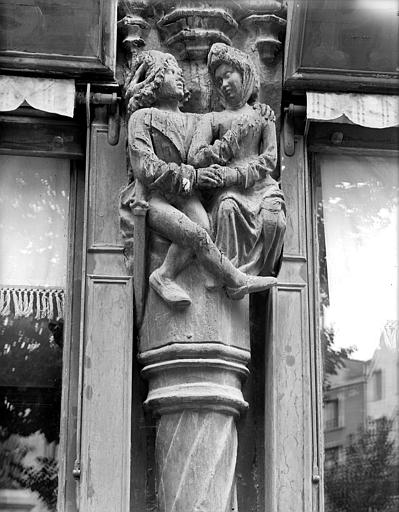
195,362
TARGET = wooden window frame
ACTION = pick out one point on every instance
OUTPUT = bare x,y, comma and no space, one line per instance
299,77
101,64
26,132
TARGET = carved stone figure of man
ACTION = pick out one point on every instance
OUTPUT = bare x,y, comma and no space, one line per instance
247,205
159,136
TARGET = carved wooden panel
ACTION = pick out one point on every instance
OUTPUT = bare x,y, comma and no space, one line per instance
292,396
107,359
108,176
295,241
105,455
292,400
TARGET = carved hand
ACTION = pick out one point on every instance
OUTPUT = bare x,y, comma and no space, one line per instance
265,111
217,176
208,177
229,175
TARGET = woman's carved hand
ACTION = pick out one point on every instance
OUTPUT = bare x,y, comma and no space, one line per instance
207,177
265,111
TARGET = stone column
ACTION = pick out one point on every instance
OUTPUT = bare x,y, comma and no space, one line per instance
195,361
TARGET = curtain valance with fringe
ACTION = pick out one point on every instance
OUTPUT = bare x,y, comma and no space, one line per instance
36,303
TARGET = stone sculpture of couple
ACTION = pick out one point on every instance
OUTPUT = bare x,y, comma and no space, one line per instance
180,159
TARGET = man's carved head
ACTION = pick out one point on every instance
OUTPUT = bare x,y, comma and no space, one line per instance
156,75
234,75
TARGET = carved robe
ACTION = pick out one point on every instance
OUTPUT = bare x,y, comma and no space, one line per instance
248,217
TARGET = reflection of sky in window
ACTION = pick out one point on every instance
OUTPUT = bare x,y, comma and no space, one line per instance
360,201
33,220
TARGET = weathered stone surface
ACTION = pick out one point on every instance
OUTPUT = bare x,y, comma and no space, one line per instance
202,219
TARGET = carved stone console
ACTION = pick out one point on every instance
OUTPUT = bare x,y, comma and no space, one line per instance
192,30
266,32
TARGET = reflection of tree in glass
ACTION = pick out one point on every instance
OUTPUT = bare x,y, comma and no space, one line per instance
42,479
30,379
333,359
33,225
30,401
366,480
370,205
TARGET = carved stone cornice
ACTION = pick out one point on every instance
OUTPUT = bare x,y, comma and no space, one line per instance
192,30
267,31
189,28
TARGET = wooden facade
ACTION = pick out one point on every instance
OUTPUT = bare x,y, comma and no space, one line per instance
106,450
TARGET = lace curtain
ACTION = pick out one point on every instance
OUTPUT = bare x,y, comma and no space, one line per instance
34,196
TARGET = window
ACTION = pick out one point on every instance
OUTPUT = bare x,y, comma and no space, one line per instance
331,414
37,215
377,385
332,42
34,206
331,455
357,201
70,36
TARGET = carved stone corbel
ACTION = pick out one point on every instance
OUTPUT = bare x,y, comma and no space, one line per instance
266,31
131,24
190,31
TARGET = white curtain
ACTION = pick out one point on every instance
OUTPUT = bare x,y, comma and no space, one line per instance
47,94
360,209
34,202
370,110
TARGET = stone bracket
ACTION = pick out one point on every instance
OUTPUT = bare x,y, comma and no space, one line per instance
267,30
191,31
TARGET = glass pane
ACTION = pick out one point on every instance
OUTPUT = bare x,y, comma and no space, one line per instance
34,203
66,27
357,198
351,34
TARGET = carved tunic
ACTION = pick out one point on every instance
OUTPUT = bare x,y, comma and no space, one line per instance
249,216
158,146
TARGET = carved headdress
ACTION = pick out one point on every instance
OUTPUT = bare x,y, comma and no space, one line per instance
146,78
220,54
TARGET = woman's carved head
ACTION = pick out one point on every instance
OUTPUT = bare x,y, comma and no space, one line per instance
234,75
156,75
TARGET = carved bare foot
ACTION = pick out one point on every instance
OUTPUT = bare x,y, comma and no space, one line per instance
253,284
169,290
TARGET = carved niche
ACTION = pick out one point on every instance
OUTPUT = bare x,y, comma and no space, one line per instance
203,222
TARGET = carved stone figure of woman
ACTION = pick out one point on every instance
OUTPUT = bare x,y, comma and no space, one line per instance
159,136
247,206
